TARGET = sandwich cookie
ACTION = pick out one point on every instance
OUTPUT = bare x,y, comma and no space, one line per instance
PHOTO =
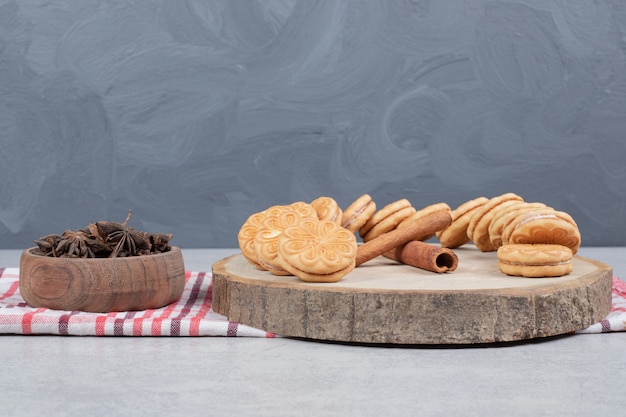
543,226
503,217
327,209
455,234
535,260
386,219
303,209
478,227
317,251
358,213
277,219
248,231
246,235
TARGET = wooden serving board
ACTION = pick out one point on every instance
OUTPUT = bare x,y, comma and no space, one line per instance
382,301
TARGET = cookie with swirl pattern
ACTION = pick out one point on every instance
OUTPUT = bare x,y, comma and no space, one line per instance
543,226
317,251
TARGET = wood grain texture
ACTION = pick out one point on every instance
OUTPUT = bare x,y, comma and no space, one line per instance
102,285
385,302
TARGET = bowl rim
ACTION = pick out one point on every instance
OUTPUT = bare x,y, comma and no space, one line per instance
29,252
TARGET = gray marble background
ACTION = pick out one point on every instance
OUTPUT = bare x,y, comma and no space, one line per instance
196,113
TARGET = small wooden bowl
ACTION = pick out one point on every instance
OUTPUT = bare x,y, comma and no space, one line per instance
102,285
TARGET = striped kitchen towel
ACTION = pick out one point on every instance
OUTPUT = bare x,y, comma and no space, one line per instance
191,315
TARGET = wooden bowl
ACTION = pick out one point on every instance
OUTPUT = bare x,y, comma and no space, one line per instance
102,285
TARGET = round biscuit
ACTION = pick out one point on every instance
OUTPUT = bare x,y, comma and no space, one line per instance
327,209
535,260
509,220
266,240
358,213
545,226
388,223
320,278
455,235
478,228
482,239
317,251
305,210
383,214
268,233
246,235
534,254
486,208
248,232
536,271
503,217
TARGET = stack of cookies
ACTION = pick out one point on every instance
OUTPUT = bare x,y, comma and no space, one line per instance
531,239
316,241
300,239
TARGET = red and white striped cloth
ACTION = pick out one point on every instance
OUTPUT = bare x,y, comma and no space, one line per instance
190,316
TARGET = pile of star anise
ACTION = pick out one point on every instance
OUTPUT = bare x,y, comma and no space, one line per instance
103,239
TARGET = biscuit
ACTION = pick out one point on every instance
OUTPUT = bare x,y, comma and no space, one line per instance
455,235
358,213
317,250
305,210
327,209
509,223
502,218
544,226
246,235
425,211
386,219
277,218
248,231
478,227
535,260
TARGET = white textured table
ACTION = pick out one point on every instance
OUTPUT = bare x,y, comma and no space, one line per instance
578,375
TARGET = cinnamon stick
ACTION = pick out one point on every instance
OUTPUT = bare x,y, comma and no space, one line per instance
424,256
428,224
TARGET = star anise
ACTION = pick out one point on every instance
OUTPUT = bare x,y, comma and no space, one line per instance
75,244
159,242
124,240
71,244
92,230
103,239
47,244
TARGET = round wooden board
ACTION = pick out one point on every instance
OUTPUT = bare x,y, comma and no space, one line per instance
382,301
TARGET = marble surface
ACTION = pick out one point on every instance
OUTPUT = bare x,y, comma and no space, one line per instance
198,113
574,375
